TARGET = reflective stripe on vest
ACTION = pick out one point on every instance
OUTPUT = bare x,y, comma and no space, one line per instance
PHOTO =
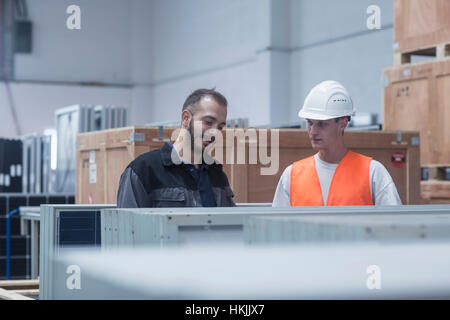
350,185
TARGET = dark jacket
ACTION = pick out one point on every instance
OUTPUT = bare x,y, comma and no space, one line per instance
153,180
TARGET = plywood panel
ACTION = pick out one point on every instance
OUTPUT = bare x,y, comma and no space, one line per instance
295,145
420,24
416,98
443,127
114,150
411,111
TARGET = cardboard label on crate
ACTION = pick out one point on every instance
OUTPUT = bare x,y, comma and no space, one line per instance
92,173
19,170
398,159
2,179
92,156
7,180
12,171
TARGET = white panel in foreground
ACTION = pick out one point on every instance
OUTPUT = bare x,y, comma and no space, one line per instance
288,272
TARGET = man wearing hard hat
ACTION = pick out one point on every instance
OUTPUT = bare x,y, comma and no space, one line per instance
334,176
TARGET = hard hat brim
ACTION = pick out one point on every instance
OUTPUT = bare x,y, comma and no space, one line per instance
315,116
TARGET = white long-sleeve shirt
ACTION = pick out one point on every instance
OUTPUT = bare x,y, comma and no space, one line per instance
382,187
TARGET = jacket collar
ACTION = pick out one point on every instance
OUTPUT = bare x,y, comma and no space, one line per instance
166,157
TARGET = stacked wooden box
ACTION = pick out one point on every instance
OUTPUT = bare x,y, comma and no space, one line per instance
102,156
417,96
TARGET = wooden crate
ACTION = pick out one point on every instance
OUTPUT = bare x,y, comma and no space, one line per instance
114,150
102,156
417,97
250,186
435,192
420,24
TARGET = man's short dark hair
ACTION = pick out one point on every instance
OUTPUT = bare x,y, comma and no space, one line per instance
197,95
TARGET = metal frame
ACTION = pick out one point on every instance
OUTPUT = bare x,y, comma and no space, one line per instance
36,176
392,228
65,168
28,144
174,226
84,118
31,214
49,239
169,227
46,155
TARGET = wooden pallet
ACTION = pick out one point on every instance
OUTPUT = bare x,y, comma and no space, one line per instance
19,290
438,52
440,173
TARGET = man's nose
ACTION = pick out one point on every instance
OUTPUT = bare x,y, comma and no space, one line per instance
313,129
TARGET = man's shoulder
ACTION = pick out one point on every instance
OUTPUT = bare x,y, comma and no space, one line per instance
150,155
377,165
147,159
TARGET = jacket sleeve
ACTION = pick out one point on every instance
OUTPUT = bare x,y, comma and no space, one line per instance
131,193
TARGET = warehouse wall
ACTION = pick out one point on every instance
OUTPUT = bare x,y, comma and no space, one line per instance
98,52
179,46
330,40
267,60
264,55
36,103
50,77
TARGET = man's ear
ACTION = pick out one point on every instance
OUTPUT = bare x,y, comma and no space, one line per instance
343,123
186,117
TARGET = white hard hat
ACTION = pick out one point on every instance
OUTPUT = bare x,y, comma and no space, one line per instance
327,100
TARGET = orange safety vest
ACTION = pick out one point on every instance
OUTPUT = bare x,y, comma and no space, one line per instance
350,185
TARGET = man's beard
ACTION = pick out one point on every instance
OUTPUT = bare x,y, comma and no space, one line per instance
194,149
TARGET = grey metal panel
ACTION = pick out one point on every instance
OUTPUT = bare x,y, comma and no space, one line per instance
46,163
49,239
37,160
125,117
25,166
164,226
168,227
69,122
30,163
108,117
380,228
116,116
261,204
407,271
32,176
36,156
